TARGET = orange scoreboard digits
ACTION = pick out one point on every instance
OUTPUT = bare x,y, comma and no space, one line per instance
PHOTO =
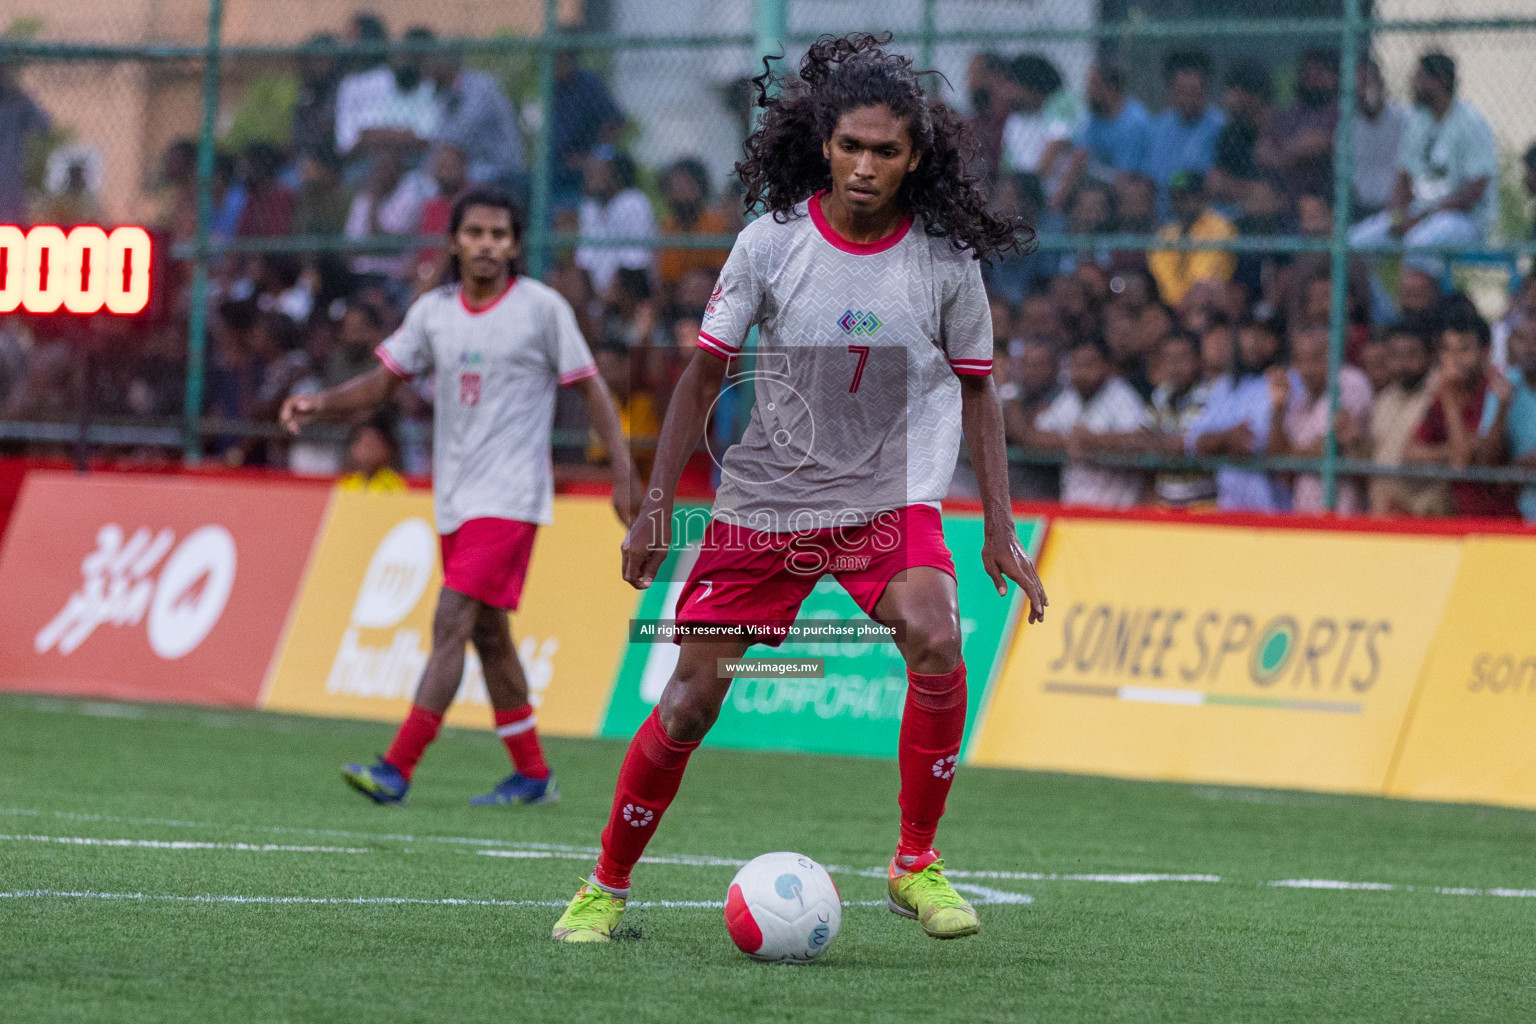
45,270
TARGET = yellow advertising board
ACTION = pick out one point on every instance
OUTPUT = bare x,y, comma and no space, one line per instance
1471,733
361,629
1220,654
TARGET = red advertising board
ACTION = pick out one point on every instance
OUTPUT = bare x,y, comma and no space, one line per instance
151,589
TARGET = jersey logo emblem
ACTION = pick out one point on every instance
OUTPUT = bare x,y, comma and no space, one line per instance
714,296
469,389
859,322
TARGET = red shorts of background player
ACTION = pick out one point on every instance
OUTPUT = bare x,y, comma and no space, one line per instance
751,578
487,559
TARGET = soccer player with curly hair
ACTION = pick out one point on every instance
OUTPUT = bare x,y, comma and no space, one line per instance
874,351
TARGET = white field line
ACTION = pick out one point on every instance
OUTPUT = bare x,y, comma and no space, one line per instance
181,844
557,851
387,900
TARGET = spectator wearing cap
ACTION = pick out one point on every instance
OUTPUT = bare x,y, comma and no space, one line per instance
1299,419
613,207
1249,91
1297,143
477,117
1096,412
1378,136
685,186
1508,429
1395,418
1446,168
1178,270
1450,431
1184,135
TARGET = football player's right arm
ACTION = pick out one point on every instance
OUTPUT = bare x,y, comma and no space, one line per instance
687,416
362,392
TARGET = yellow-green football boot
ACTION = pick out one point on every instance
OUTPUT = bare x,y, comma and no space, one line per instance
925,895
591,916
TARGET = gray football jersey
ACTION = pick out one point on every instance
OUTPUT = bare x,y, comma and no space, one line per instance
857,405
496,374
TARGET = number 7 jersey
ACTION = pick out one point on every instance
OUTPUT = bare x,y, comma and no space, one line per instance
857,403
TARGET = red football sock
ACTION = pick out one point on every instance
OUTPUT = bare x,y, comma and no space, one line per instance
929,746
518,729
419,729
652,771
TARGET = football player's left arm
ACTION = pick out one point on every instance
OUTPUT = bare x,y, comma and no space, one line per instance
604,416
1001,553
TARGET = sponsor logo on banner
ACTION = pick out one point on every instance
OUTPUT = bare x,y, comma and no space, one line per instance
1263,657
1469,736
362,631
119,586
150,588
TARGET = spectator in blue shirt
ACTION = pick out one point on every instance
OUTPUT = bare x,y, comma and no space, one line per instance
1118,129
1183,136
1236,420
478,119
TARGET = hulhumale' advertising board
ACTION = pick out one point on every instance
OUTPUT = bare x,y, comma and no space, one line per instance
150,588
362,627
1274,657
855,708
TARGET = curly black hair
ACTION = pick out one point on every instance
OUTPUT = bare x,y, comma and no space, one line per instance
784,164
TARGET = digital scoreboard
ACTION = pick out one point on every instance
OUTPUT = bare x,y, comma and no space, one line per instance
83,270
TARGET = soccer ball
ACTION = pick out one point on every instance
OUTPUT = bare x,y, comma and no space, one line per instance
783,908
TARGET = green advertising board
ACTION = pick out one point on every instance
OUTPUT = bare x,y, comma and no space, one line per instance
856,707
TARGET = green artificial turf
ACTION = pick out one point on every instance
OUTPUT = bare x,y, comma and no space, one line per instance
1237,949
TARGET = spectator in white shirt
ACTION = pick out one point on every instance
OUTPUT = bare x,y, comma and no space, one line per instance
613,207
1097,412
392,106
1378,137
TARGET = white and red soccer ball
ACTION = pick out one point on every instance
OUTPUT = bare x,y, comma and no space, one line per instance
783,908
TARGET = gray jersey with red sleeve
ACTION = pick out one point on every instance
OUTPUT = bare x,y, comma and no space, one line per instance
496,371
857,403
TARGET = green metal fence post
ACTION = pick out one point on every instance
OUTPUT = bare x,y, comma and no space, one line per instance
770,24
543,171
1343,192
925,55
197,330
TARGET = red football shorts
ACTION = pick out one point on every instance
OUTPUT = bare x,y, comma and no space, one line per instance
752,578
487,559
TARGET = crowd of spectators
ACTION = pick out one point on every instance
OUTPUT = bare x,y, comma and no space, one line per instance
1109,359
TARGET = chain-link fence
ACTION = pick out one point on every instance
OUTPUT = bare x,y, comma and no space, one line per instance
1200,172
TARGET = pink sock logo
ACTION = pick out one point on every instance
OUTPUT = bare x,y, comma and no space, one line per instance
944,767
639,817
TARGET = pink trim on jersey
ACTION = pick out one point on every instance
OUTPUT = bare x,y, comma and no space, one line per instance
848,245
706,336
390,364
715,347
971,367
472,311
579,374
